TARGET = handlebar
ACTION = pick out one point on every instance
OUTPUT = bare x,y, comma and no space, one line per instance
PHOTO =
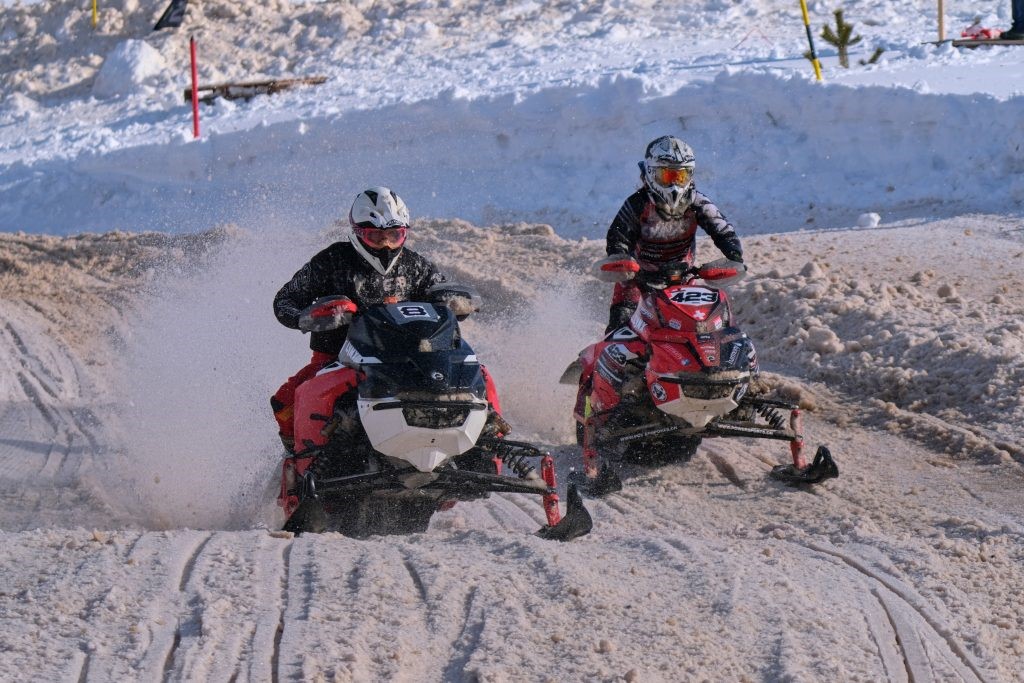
618,268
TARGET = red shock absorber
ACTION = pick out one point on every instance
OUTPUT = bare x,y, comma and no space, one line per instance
796,446
547,473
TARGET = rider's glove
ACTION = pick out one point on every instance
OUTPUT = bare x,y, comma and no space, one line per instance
734,256
327,314
617,268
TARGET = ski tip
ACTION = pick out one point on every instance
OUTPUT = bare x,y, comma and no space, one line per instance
822,468
576,522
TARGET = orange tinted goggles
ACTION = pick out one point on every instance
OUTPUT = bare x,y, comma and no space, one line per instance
666,176
383,237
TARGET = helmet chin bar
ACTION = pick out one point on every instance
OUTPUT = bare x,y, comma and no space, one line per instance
671,202
377,257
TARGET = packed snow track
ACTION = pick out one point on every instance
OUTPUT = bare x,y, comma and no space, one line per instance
138,533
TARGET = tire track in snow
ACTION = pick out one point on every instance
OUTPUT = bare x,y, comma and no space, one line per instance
417,580
727,470
194,622
294,634
918,666
916,658
158,659
468,639
514,502
233,609
275,657
894,633
190,564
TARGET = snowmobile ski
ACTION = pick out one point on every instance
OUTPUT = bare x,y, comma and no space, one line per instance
821,468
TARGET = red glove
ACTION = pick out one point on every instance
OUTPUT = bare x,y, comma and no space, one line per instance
327,314
617,268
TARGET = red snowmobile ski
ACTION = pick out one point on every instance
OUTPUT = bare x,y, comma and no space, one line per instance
677,373
399,427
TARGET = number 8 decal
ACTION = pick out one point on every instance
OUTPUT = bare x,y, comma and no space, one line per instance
413,311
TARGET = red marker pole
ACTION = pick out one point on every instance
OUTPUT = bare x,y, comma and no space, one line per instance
195,88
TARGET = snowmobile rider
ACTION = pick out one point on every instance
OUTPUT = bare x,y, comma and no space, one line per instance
372,267
657,224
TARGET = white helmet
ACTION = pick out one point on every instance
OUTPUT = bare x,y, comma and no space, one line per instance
380,223
667,172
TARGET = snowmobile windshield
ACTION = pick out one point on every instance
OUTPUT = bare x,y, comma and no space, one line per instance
418,348
396,332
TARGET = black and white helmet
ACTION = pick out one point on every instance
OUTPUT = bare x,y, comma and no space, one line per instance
667,172
380,223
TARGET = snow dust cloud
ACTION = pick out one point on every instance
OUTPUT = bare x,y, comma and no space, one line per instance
205,353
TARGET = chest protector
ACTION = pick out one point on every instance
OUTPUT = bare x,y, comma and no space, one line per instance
665,241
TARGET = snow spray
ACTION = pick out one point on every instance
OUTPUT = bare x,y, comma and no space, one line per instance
527,354
204,355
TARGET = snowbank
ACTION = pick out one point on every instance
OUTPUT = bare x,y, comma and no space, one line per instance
127,68
776,152
503,112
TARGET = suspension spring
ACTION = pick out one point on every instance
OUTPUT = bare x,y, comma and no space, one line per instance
517,462
772,416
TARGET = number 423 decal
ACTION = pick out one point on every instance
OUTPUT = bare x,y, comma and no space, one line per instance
694,296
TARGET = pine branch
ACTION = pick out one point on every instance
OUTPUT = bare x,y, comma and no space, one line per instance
842,38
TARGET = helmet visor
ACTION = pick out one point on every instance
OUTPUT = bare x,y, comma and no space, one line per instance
381,238
667,176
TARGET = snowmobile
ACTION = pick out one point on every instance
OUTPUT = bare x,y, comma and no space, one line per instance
399,426
678,372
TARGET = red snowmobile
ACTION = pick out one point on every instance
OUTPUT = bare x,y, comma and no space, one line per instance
399,427
678,372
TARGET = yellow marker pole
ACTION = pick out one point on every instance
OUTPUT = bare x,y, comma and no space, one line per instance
810,40
942,22
95,14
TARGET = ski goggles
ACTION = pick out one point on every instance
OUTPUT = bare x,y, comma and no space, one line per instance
666,176
379,238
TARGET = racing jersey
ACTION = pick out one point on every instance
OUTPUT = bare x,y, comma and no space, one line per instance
341,270
638,230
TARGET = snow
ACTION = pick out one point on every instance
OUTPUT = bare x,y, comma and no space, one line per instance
127,68
880,213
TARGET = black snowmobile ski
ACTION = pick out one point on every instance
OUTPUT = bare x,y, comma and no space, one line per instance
821,468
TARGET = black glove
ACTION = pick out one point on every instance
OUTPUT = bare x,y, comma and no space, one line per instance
734,256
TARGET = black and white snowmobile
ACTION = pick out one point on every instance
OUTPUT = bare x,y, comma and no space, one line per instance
400,427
